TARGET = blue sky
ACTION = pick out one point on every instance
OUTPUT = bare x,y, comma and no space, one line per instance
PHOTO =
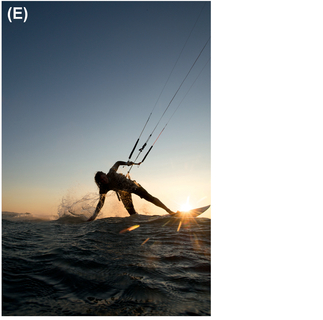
79,81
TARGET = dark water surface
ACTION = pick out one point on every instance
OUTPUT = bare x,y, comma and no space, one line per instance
69,267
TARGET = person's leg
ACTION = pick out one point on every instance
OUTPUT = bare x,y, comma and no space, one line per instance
142,193
127,201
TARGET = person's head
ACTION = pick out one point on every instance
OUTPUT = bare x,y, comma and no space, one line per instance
100,178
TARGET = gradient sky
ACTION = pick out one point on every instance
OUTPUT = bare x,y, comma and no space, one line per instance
79,80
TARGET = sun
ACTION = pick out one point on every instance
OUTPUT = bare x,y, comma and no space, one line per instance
186,206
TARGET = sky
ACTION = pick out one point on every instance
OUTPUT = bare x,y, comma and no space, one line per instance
79,81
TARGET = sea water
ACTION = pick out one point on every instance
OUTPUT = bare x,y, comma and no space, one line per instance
147,265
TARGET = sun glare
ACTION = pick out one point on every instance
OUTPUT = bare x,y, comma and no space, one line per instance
186,206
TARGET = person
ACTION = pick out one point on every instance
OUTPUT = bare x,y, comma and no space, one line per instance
124,187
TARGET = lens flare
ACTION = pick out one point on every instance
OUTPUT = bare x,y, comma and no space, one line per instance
145,241
130,228
179,225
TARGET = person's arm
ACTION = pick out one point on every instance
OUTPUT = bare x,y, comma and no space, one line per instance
98,207
123,163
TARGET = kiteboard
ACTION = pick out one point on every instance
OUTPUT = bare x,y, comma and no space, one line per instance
192,213
181,214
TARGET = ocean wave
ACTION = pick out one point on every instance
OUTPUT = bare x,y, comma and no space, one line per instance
138,265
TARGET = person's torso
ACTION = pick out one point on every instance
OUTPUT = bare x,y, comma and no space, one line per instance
118,181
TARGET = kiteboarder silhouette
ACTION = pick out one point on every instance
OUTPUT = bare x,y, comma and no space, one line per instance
124,187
